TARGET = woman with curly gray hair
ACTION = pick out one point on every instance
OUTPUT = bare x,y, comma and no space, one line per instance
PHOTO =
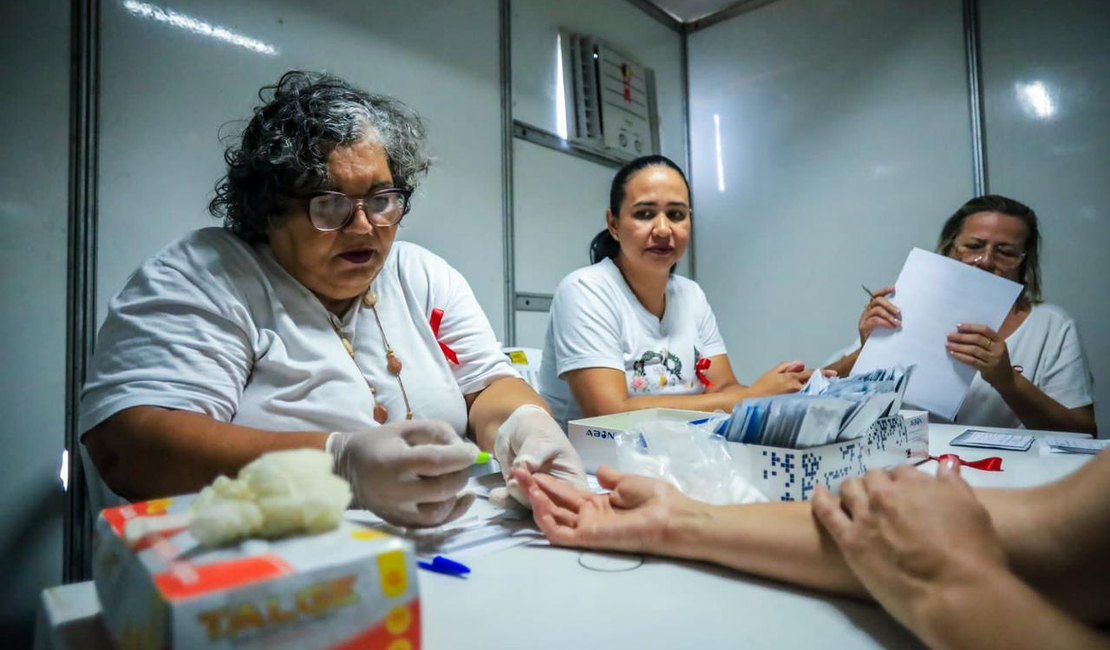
1032,372
302,323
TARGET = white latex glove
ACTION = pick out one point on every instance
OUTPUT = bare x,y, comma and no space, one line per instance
530,438
409,473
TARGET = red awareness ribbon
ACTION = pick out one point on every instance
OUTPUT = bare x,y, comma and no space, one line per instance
992,464
437,318
699,369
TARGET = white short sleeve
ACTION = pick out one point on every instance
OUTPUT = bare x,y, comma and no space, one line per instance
584,327
171,339
463,328
1065,375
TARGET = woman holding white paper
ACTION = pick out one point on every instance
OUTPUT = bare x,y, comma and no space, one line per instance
626,333
1032,371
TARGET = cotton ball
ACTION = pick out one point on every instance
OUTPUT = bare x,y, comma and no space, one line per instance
297,491
221,521
281,493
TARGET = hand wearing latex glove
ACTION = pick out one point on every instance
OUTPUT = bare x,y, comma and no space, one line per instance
531,439
410,473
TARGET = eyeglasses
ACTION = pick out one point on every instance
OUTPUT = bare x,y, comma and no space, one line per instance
1005,256
330,211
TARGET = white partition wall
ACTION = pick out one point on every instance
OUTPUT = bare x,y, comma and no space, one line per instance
1046,77
828,139
558,206
168,86
34,127
560,200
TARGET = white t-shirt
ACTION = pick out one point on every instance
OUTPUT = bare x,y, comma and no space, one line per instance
1047,347
216,326
597,322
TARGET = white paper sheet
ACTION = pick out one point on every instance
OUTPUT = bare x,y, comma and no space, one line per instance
935,293
1075,445
485,528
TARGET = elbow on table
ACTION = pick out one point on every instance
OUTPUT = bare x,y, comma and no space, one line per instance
1083,421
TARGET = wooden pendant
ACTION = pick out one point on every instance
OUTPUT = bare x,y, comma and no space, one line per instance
381,414
393,364
348,346
370,299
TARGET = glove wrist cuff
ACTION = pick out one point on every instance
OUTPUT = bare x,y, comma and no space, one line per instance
519,412
332,441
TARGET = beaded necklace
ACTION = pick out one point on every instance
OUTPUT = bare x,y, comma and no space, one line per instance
393,362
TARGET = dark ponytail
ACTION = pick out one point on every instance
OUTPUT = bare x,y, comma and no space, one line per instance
603,245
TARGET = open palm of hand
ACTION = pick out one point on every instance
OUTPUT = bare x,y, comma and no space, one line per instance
631,517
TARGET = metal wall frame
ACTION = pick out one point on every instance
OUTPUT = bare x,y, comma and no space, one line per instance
81,274
507,231
731,11
975,97
659,14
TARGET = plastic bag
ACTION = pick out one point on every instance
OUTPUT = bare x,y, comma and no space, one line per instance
690,457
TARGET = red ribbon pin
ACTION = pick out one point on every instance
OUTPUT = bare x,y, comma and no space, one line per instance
437,318
992,464
699,369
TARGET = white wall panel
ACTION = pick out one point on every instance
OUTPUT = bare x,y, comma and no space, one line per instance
1046,77
34,168
166,91
844,139
559,204
531,328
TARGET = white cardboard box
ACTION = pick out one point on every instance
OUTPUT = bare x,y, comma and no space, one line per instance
781,474
351,587
897,441
595,438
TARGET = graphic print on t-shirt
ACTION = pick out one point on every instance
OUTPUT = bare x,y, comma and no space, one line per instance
656,371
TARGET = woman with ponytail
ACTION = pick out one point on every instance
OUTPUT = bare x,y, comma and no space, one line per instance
626,333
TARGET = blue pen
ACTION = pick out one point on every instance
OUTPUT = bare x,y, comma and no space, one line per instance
440,564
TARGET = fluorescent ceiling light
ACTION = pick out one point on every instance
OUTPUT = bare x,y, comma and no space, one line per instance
560,91
720,162
197,26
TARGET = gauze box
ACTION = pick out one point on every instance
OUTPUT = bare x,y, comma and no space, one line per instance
781,474
352,587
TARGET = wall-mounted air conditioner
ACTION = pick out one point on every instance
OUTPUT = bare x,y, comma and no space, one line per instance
610,99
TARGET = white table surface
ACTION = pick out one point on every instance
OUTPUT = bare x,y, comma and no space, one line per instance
535,596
